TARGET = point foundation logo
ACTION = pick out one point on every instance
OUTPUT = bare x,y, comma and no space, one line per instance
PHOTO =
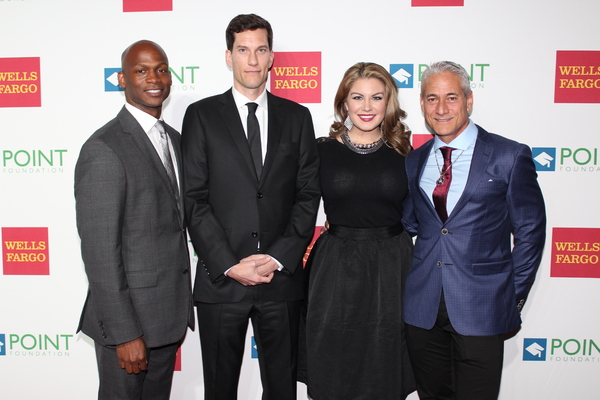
254,352
33,161
575,253
296,76
577,77
147,5
544,158
183,78
25,251
565,159
403,74
534,349
111,80
408,76
20,84
35,345
562,350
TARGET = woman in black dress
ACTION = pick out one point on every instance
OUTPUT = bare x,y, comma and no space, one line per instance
355,336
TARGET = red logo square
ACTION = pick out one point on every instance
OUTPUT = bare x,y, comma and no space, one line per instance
25,251
178,359
316,235
297,76
438,3
419,140
147,5
577,77
575,253
20,82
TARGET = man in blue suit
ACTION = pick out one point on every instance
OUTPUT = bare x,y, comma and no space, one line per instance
470,190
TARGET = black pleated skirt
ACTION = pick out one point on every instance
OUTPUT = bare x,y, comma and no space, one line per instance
355,347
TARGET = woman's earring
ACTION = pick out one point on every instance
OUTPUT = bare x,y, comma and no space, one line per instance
348,123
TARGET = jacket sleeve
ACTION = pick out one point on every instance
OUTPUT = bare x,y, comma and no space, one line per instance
289,248
528,217
207,233
100,193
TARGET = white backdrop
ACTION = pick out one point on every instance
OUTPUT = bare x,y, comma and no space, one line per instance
75,41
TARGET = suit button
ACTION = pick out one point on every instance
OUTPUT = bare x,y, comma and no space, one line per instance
255,234
444,231
185,271
259,195
439,264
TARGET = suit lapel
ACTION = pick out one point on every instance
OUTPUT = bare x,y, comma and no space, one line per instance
482,154
421,162
231,116
144,145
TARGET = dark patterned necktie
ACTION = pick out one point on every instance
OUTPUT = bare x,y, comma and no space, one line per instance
440,193
254,137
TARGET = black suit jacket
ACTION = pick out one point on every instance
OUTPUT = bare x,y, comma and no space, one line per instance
229,211
133,239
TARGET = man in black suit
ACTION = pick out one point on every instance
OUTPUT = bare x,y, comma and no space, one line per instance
251,194
133,239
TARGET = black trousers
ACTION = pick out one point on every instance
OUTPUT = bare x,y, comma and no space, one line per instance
152,384
223,328
451,366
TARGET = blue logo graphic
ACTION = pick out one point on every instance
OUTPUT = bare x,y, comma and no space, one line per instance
534,349
403,75
2,344
111,80
254,348
544,158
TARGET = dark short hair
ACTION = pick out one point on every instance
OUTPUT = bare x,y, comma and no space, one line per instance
247,22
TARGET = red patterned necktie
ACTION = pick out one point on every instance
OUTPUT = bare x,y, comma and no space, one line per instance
440,193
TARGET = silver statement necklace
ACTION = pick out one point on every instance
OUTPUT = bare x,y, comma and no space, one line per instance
441,179
362,148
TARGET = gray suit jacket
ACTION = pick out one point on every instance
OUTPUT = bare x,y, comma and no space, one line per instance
133,239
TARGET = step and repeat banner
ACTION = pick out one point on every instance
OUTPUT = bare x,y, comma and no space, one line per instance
535,74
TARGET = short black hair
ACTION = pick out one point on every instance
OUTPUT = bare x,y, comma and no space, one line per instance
247,22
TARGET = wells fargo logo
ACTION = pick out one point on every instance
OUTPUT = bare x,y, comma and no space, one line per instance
147,5
20,82
438,3
297,76
575,253
577,77
25,251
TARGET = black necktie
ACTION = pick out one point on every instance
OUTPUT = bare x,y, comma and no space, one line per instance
254,137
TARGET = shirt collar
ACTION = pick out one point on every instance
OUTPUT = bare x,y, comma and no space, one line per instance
462,141
241,100
146,120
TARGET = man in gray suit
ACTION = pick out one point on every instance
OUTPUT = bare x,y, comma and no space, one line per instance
133,237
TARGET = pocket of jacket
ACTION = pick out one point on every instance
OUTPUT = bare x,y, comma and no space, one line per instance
492,267
142,279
